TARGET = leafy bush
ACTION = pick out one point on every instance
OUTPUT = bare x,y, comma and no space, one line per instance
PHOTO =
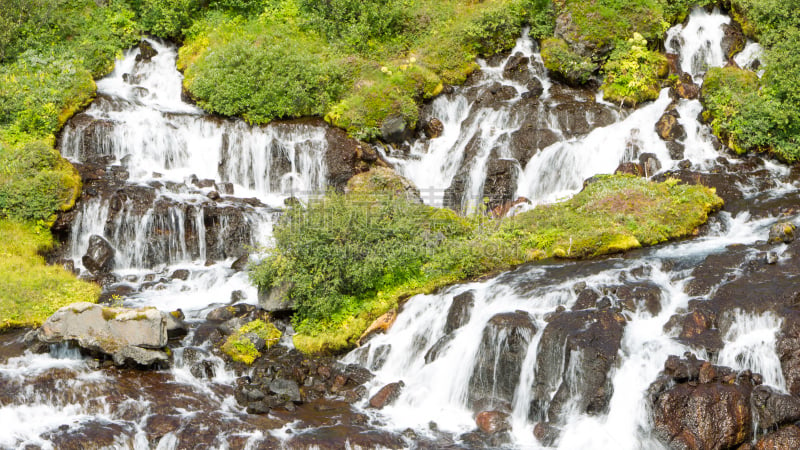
632,73
561,60
35,181
167,18
763,115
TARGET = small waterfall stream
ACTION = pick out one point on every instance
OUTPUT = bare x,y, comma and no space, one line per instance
182,196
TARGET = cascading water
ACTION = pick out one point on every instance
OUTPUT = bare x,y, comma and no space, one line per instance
574,345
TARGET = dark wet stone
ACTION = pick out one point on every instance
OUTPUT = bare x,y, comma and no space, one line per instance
339,437
146,51
288,390
630,168
500,183
668,127
782,232
502,351
180,274
225,313
773,408
99,257
491,422
386,395
459,312
517,69
785,438
649,164
93,434
157,425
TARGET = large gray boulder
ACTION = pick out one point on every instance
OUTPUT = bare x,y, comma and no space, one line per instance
125,334
99,257
276,298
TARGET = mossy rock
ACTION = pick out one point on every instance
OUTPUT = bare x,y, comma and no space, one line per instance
633,73
241,346
382,181
559,59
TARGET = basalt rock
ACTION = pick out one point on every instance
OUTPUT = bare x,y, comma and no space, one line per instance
705,407
433,128
502,351
784,438
395,130
649,164
630,168
459,312
668,127
99,257
782,232
146,52
491,422
386,395
517,69
733,40
276,298
576,342
686,88
501,181
773,408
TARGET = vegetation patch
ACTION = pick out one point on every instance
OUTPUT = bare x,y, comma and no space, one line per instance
30,290
633,73
240,346
761,115
560,59
355,63
351,259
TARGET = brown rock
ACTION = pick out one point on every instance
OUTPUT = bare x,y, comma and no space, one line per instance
785,438
386,395
380,325
491,422
630,168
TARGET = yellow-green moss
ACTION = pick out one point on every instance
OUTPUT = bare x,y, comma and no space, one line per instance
561,60
30,290
633,73
241,349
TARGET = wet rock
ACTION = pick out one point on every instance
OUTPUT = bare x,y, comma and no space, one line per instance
92,434
479,439
287,390
176,327
339,437
630,168
502,351
711,411
649,164
529,139
381,325
386,395
788,349
225,188
546,433
733,40
237,296
383,180
771,258
459,312
495,95
157,425
146,51
517,69
787,437
276,298
579,118
341,157
433,128
180,274
394,129
585,343
640,296
500,184
587,298
782,232
225,313
773,408
668,127
686,88
491,422
676,150
241,263
123,333
99,257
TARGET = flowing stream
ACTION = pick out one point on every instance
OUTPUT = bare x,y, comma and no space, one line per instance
192,194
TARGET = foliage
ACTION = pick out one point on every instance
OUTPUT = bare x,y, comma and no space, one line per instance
350,259
356,63
632,73
751,114
167,18
31,291
35,182
239,345
561,60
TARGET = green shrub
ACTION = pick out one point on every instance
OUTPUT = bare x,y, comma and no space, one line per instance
561,60
35,181
168,18
633,73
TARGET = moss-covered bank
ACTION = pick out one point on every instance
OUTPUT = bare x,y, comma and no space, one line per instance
349,260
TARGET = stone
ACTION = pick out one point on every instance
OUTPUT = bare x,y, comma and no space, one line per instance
668,127
517,69
491,422
433,128
686,88
146,51
180,274
782,232
649,163
394,129
110,331
500,183
241,263
733,39
99,257
503,347
175,325
459,312
287,390
785,438
140,356
381,325
276,298
630,168
773,408
386,395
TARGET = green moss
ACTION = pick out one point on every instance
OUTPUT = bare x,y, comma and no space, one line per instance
31,291
352,259
633,73
242,349
561,60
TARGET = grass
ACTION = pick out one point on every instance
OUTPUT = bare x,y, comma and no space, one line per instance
30,290
353,259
